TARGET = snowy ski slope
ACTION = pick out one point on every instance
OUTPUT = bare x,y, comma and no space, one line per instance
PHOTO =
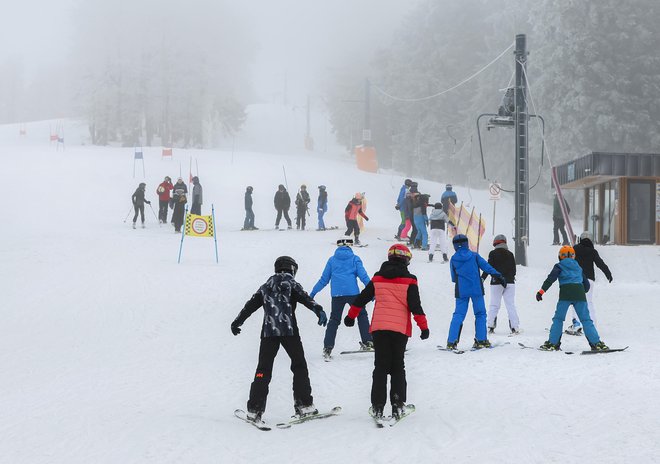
110,352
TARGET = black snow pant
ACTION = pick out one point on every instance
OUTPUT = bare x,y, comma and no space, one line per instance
178,216
413,234
558,226
302,390
162,210
352,226
390,348
300,218
196,208
279,217
139,209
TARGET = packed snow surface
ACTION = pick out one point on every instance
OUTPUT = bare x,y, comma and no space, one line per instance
111,352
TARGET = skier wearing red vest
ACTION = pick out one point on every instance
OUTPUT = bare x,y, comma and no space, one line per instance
397,298
351,212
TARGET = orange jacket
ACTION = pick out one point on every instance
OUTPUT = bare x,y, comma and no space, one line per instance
397,298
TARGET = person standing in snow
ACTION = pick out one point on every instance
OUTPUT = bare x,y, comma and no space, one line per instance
248,224
179,198
505,263
163,191
282,203
448,196
302,202
586,256
138,203
351,212
438,220
572,287
342,271
401,207
197,195
411,199
322,206
397,298
558,223
464,268
421,221
279,297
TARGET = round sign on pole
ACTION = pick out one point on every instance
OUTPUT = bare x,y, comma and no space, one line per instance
200,226
495,190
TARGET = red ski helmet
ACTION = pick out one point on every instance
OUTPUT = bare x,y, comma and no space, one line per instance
400,252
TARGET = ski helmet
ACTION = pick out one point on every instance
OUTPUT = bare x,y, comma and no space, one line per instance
249,188
460,241
195,179
321,187
408,182
281,187
345,241
142,184
448,187
286,264
586,234
438,205
401,252
303,187
566,252
500,242
168,179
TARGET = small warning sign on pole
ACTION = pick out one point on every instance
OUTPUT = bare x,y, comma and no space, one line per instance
495,190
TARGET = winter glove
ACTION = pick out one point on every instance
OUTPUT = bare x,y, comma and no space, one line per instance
503,282
323,319
610,279
425,334
396,207
235,328
366,219
539,295
147,202
349,321
320,210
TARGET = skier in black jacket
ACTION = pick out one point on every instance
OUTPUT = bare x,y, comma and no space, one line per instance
138,203
279,297
282,203
248,224
505,263
586,256
302,202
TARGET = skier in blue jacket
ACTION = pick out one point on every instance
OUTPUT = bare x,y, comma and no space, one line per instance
464,267
401,206
342,271
322,206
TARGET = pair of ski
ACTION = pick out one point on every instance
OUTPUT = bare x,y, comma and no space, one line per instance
328,358
380,422
457,351
611,350
261,425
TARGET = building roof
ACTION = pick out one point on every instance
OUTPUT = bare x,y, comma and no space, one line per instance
598,167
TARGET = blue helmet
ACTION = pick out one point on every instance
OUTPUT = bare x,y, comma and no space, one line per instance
460,241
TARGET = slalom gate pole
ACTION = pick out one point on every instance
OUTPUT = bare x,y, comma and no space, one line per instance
154,213
215,233
129,213
183,234
285,181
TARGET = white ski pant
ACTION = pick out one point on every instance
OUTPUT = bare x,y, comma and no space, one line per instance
590,304
438,237
497,293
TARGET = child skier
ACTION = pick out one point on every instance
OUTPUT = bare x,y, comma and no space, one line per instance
279,297
586,256
505,263
342,270
572,286
138,203
397,297
464,268
438,236
351,212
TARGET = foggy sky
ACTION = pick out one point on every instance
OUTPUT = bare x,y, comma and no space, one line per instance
299,38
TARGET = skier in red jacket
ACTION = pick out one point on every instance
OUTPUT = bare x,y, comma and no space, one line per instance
351,212
163,191
397,297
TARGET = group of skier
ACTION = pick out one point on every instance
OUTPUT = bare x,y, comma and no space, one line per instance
174,196
412,206
397,303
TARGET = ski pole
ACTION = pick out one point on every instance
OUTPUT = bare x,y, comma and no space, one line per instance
129,213
154,213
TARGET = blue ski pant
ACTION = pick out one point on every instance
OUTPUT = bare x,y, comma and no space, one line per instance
338,304
422,233
479,308
583,313
321,222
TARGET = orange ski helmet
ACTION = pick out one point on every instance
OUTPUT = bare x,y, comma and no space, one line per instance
566,252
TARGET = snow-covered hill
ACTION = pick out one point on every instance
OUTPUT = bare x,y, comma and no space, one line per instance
110,352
